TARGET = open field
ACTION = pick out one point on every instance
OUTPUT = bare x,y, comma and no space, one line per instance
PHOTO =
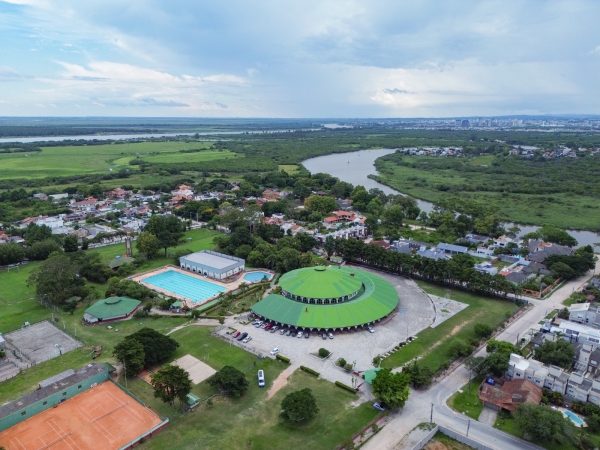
433,345
564,193
88,159
252,421
467,402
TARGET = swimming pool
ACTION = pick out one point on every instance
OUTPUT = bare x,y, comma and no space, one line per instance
256,276
577,421
178,283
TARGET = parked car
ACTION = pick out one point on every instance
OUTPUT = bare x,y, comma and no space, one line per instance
307,335
282,331
242,336
378,406
324,335
275,350
248,339
274,329
258,324
236,334
330,335
264,325
261,378
288,332
371,329
299,335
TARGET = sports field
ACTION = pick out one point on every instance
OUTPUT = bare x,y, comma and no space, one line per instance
103,417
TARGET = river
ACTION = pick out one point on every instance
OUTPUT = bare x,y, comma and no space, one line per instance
356,166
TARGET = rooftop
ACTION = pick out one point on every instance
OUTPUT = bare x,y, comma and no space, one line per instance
216,260
112,307
320,282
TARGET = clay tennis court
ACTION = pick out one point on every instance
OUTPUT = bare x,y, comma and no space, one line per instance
103,417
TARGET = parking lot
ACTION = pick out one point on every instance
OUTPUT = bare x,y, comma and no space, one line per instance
359,347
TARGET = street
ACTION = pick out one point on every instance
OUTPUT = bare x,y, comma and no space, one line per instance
418,407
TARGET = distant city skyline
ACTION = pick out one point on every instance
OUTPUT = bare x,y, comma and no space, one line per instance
311,58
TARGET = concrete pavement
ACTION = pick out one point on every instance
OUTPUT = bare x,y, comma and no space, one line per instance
419,405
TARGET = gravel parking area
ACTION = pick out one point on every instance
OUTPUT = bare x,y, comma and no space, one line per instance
415,313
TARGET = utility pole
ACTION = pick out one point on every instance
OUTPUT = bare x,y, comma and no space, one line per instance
431,414
468,427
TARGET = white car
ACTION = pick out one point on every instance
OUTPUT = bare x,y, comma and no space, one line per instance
299,334
371,330
248,339
330,335
261,378
275,351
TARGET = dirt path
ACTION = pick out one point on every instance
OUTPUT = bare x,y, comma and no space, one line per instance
281,381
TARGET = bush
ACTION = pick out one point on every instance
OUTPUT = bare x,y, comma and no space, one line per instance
282,358
459,349
377,360
345,387
324,353
341,362
299,406
348,367
482,330
230,381
310,371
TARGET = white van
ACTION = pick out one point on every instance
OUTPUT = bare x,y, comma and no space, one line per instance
261,378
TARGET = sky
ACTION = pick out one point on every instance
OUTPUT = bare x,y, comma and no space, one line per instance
305,58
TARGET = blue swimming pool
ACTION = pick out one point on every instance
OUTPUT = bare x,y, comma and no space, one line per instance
256,276
187,286
577,421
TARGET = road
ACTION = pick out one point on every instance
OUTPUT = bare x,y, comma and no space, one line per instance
419,405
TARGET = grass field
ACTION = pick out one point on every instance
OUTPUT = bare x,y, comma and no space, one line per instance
467,401
470,180
251,422
88,159
434,344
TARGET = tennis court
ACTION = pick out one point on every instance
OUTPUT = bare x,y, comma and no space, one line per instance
104,417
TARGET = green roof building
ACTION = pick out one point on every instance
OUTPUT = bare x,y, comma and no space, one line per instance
111,308
329,298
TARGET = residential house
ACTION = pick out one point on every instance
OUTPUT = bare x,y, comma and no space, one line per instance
586,313
575,332
509,395
486,267
85,206
452,249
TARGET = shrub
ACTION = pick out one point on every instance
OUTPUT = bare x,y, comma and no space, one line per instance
348,367
299,406
230,381
482,330
310,371
377,360
341,362
324,353
140,314
345,387
282,358
459,349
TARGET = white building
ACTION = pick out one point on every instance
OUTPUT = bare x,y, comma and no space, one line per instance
212,264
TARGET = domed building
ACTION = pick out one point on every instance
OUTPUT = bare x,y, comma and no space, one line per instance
328,298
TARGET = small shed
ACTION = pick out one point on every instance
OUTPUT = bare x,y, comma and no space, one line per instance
111,308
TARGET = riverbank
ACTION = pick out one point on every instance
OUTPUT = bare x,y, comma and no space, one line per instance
359,168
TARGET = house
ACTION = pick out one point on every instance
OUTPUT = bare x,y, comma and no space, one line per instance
435,254
595,282
586,313
517,278
509,395
552,378
271,195
85,205
118,193
540,250
452,249
58,197
340,216
476,239
40,196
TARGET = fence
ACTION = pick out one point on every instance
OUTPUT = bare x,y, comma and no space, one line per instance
452,434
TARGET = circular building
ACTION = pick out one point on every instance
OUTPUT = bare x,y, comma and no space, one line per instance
328,298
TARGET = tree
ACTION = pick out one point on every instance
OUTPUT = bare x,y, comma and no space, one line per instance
560,353
168,230
131,354
170,383
562,270
420,376
482,330
57,280
230,381
148,244
11,253
157,347
541,423
299,406
35,233
391,388
321,204
393,216
40,250
70,244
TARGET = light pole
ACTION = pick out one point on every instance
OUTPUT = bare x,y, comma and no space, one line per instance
468,427
431,414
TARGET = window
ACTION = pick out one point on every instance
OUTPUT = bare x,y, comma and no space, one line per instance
23,413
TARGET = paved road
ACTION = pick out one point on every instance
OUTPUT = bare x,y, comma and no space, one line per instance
418,407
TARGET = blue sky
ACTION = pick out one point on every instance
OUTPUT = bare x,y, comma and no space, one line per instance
306,58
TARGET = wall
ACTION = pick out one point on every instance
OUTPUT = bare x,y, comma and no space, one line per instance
454,435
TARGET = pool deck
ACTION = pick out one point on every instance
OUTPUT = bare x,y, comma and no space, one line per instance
229,286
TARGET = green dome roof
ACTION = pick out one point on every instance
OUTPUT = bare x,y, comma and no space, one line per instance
320,282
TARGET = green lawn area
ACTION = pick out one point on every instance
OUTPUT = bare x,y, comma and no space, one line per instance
17,304
84,159
204,155
291,169
433,344
467,401
251,422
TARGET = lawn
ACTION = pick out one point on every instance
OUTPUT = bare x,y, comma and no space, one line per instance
467,401
18,305
87,159
433,344
251,422
204,155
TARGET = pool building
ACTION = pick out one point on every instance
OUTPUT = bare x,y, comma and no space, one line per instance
212,264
